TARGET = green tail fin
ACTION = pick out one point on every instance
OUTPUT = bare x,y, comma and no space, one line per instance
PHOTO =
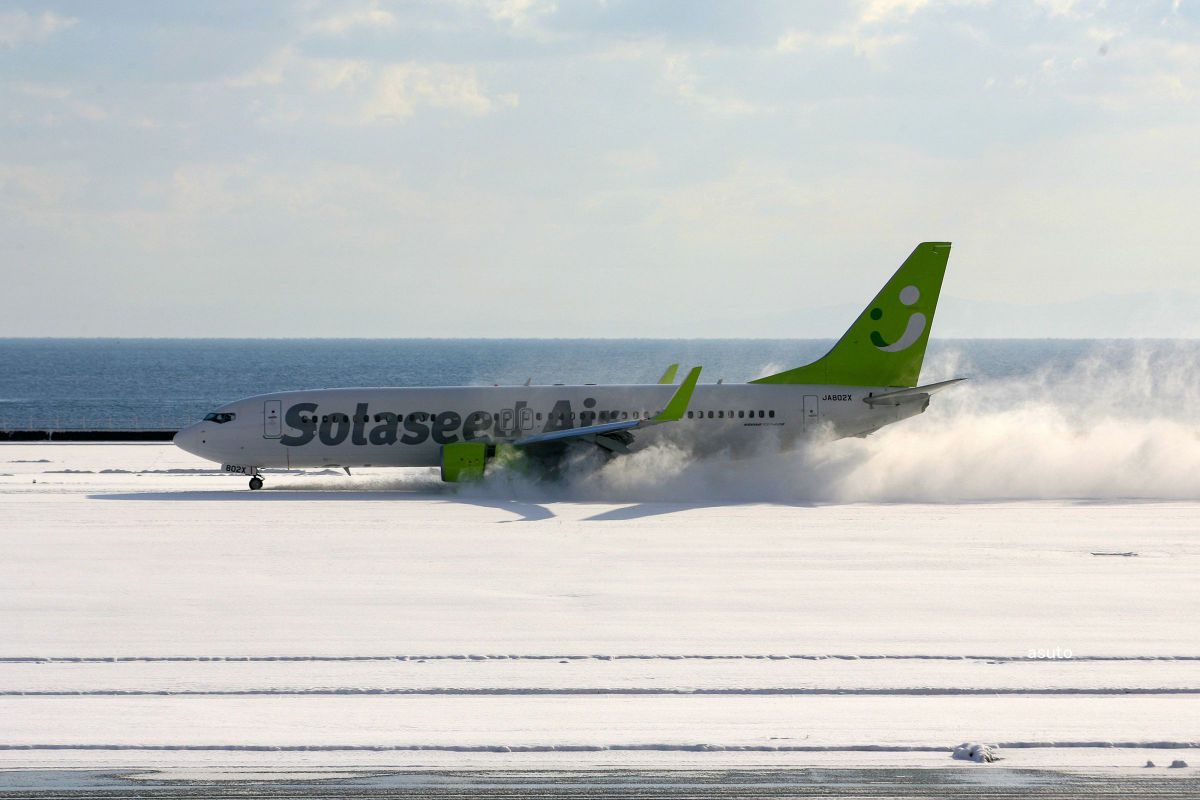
886,344
669,375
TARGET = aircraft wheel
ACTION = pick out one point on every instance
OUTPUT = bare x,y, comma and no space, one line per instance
256,483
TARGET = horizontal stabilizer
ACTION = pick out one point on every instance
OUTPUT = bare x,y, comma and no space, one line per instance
916,394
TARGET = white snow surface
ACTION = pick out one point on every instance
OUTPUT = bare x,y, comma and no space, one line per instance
155,612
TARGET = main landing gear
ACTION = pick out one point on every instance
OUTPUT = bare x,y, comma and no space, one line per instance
256,483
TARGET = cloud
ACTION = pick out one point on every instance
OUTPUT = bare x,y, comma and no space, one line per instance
26,190
865,35
688,150
340,24
867,45
1136,73
400,88
876,28
269,73
1061,8
641,159
51,104
678,73
368,93
517,12
331,74
876,11
21,27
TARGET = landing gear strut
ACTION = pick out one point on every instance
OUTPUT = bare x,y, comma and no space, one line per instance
256,483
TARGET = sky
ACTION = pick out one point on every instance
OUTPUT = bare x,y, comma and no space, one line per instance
610,168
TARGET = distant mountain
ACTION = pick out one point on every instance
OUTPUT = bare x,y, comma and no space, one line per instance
1145,315
1152,315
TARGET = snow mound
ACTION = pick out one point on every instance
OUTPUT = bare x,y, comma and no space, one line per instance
1178,764
979,753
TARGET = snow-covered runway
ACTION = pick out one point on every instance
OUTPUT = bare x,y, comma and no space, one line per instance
154,612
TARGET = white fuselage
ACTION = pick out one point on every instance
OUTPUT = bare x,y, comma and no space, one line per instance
407,427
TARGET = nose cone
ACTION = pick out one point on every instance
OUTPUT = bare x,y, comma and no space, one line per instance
188,439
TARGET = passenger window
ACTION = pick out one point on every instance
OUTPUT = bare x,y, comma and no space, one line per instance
689,415
741,414
720,415
604,416
771,413
761,413
710,415
539,416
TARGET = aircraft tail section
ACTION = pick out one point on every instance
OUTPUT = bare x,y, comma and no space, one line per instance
886,344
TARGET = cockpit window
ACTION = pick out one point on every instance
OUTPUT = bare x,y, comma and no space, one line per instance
221,418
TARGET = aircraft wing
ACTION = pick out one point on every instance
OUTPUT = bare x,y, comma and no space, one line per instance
674,411
915,394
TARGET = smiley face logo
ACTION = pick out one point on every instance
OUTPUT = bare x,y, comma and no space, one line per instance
912,330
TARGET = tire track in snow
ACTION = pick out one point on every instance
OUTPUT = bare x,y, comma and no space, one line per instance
594,657
594,748
621,690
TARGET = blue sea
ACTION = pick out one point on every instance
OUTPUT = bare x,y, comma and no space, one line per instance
166,383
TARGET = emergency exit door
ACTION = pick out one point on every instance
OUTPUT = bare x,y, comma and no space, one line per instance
272,424
812,412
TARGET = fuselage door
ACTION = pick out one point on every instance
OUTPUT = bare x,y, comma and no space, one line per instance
272,423
507,415
526,418
812,412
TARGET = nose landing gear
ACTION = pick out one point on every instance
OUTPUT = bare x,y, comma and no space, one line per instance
256,483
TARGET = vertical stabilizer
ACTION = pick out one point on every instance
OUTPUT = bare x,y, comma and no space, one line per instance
886,344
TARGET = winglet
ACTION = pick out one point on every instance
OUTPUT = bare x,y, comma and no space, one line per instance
669,375
679,401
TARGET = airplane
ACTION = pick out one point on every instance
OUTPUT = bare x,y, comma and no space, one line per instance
869,379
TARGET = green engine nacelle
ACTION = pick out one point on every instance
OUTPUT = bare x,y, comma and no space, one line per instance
464,461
